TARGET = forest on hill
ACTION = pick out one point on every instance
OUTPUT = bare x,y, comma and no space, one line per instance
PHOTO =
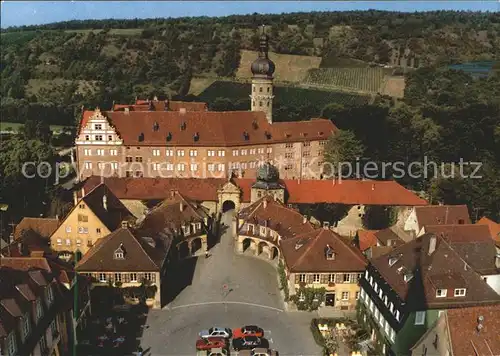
49,72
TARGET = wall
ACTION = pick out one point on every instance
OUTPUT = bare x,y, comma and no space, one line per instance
350,224
410,333
86,239
411,223
277,194
493,281
438,332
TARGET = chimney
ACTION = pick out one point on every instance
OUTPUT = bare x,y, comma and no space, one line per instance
373,186
57,217
265,203
105,202
127,110
304,219
124,224
181,206
155,98
432,245
166,105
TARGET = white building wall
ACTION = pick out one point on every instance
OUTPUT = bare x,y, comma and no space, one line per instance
493,281
411,223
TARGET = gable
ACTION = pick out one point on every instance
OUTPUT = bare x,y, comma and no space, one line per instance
88,130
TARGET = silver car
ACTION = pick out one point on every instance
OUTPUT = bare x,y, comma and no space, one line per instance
216,332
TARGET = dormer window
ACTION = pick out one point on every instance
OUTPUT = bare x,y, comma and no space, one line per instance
408,277
119,253
441,293
393,260
186,230
329,253
459,292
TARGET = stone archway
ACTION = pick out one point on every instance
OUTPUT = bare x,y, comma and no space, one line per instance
228,205
229,192
274,253
183,249
248,244
262,248
196,245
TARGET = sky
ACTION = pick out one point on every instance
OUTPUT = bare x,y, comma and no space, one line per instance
17,13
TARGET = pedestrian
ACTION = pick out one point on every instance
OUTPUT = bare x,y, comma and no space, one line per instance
139,351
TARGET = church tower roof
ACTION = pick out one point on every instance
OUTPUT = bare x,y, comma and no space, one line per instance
263,66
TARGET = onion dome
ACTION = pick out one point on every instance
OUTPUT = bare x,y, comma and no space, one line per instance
263,66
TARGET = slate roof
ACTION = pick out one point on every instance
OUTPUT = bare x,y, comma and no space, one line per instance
464,335
350,192
441,268
139,256
268,212
214,128
113,214
442,215
306,253
44,227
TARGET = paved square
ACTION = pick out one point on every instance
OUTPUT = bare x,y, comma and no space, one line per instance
228,290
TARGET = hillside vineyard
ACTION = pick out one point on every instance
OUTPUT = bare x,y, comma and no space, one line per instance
175,139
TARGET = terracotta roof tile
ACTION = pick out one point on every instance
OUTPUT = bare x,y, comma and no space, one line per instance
493,227
158,105
464,336
349,192
428,267
286,222
44,227
442,215
306,253
101,256
377,251
25,263
367,239
213,128
461,233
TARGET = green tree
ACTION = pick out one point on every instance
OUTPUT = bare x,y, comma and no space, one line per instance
342,148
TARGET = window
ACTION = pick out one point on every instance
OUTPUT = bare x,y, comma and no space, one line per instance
221,153
302,277
420,318
68,242
25,326
53,328
148,276
322,143
194,167
181,167
380,293
376,287
119,254
244,152
98,137
260,89
100,152
366,275
244,165
180,153
393,335
306,144
269,150
59,242
193,153
128,159
260,150
83,218
253,151
156,152
102,277
169,153
89,242
459,292
397,315
133,277
118,277
306,154
110,137
156,166
170,166
49,295
331,278
288,145
441,293
345,295
88,165
211,153
87,152
316,278
138,158
114,165
220,167
39,309
289,155
357,295
97,127
98,230
78,242
211,167
235,152
347,278
87,137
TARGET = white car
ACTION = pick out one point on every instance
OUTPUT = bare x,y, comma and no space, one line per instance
216,332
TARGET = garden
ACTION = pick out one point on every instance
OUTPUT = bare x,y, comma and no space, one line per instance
338,335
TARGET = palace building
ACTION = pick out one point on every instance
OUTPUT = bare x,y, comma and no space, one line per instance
185,140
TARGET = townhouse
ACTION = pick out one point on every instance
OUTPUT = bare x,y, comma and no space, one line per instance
421,216
404,291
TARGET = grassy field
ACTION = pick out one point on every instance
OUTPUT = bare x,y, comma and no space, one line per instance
15,127
289,67
34,85
394,86
113,31
367,79
283,95
8,38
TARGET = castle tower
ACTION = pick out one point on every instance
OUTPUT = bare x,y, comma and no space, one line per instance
262,79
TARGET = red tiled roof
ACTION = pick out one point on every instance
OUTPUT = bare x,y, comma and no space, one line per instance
442,215
464,335
349,192
306,253
367,239
158,105
461,233
44,227
492,226
214,128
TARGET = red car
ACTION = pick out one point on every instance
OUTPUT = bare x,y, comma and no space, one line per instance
248,330
211,343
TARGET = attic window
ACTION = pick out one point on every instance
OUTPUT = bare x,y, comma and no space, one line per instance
255,125
141,137
320,133
441,293
169,137
246,136
119,253
461,221
300,243
183,125
196,136
287,135
156,126
393,260
268,135
329,253
408,277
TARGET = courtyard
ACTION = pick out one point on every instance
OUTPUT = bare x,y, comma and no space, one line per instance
225,290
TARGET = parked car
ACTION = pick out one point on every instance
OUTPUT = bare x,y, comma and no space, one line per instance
211,343
216,332
248,330
212,352
249,343
260,351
